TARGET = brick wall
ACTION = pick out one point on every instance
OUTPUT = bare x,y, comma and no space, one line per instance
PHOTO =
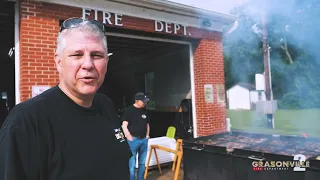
38,32
39,25
209,69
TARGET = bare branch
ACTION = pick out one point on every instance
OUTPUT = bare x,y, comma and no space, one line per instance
285,48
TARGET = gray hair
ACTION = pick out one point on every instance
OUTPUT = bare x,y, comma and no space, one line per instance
85,26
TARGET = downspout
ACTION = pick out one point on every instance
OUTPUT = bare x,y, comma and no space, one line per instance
17,50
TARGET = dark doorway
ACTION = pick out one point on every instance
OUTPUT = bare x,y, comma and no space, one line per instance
7,67
156,67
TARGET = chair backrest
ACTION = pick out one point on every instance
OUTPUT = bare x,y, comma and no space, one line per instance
171,132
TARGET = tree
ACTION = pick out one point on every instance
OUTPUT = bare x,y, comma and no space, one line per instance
292,30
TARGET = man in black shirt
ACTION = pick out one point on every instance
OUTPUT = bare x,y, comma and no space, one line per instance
135,124
69,132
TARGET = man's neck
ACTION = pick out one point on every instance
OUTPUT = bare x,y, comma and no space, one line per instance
84,101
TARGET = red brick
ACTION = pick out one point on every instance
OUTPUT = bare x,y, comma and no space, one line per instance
208,69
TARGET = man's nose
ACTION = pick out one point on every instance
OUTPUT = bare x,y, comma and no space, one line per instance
87,62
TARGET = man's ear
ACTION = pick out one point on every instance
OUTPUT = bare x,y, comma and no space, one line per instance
58,62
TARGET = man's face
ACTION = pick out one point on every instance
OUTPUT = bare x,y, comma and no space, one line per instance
83,63
140,103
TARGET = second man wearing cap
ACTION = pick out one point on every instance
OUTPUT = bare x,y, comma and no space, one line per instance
135,124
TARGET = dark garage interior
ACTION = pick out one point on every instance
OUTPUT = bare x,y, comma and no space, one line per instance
7,67
160,69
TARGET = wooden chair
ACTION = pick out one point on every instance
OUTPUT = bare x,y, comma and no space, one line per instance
176,162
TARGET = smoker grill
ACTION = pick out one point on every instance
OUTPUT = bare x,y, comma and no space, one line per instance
229,156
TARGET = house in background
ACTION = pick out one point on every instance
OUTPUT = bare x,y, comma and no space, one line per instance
243,96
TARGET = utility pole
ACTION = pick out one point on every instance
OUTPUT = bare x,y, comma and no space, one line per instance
266,57
266,62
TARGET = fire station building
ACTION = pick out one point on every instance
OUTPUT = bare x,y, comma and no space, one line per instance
168,50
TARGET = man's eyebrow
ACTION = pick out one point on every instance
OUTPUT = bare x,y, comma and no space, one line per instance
97,52
76,52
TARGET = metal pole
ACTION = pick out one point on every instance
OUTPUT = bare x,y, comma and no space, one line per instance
270,78
273,125
266,58
266,62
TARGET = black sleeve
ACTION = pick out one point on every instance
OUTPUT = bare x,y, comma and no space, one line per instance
126,116
148,116
19,149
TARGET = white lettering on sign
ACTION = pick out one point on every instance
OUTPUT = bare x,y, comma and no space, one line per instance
107,17
116,19
302,160
36,90
170,28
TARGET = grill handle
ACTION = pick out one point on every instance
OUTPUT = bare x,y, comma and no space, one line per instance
256,158
196,148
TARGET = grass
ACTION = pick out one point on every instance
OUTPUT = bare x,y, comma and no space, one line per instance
293,122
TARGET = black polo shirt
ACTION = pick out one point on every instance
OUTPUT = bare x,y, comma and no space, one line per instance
50,137
137,119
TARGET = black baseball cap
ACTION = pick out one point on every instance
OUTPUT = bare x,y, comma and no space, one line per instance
142,97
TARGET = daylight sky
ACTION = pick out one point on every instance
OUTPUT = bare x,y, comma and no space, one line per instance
215,5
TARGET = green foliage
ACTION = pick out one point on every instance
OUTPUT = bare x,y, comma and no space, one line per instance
292,27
